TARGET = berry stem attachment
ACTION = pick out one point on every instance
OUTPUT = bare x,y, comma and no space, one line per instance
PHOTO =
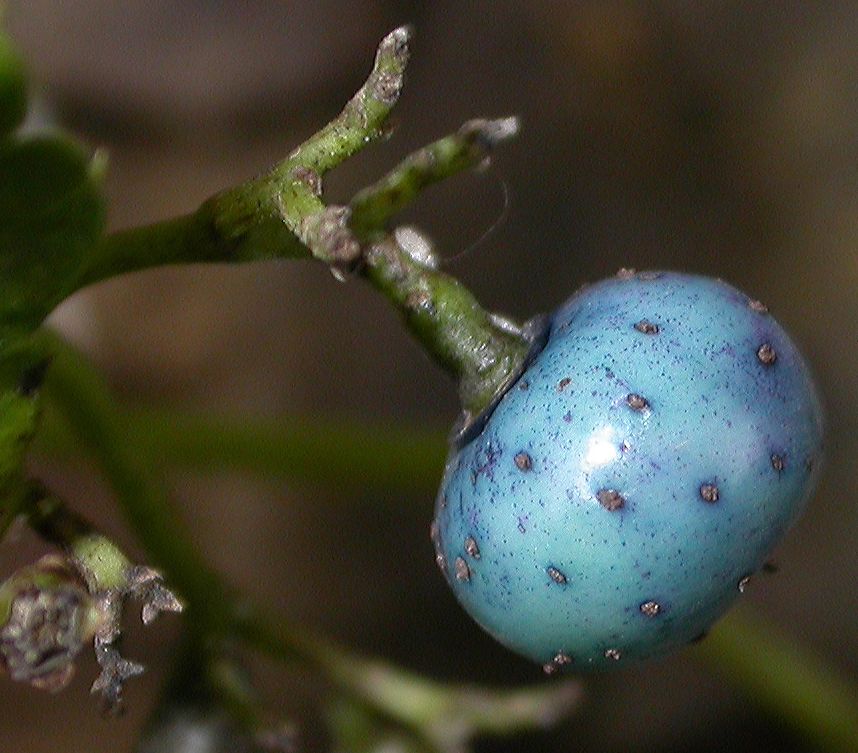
480,350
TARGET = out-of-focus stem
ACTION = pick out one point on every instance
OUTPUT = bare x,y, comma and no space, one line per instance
99,425
794,686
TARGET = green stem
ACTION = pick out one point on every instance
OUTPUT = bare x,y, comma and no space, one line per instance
278,215
482,352
362,120
202,236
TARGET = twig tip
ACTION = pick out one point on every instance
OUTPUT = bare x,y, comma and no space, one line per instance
396,45
487,134
501,129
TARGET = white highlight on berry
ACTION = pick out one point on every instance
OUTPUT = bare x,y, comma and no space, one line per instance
603,447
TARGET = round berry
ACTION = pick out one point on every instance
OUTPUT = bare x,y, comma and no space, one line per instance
669,436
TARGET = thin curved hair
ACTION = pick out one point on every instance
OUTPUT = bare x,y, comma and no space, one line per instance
487,233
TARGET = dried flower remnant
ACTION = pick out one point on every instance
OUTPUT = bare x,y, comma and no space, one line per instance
48,618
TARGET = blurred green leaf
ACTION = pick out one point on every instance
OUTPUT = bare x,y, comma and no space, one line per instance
13,87
51,214
797,687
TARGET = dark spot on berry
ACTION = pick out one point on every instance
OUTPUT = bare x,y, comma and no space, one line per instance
471,547
610,499
650,608
563,384
441,561
625,446
743,583
709,493
647,327
567,417
560,660
433,531
636,402
766,354
613,654
758,306
555,575
463,572
777,462
523,384
523,461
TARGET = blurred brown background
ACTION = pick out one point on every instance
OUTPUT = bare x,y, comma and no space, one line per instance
709,136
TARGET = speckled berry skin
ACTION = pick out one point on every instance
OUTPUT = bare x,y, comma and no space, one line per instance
643,466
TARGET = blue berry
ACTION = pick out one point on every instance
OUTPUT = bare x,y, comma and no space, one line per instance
637,473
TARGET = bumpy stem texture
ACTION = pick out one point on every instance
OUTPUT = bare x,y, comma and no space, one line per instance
449,322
